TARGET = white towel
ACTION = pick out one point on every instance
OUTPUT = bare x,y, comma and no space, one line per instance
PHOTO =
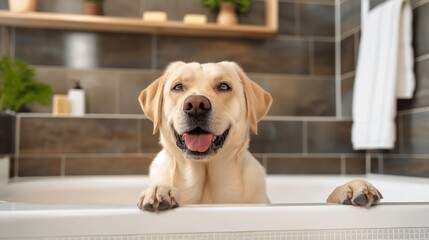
384,73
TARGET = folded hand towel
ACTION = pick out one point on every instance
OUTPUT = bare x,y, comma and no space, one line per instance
384,73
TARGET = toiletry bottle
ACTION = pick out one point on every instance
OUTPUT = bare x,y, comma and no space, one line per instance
76,97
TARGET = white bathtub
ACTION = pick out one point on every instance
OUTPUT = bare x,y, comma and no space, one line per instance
95,207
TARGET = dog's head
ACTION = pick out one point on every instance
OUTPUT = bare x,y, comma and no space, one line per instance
203,109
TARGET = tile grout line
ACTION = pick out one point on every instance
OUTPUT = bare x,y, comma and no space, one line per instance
414,110
139,135
118,92
297,19
12,42
63,166
17,145
401,133
311,57
422,58
154,50
338,110
380,164
305,137
343,165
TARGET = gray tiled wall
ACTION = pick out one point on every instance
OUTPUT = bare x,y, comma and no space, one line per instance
410,155
303,134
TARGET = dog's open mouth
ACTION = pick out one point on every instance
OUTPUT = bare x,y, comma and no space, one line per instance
199,143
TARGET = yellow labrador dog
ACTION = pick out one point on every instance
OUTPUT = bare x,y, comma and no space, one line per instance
204,113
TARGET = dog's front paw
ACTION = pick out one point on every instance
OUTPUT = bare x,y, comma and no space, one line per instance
356,192
158,197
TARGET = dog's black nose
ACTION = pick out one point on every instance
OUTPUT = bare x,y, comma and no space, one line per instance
196,105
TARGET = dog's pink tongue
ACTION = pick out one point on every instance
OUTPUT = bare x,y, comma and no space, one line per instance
198,143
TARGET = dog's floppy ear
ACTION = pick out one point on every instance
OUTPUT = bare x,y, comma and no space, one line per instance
258,101
151,97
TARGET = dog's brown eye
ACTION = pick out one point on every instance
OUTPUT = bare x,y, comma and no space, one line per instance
223,87
178,87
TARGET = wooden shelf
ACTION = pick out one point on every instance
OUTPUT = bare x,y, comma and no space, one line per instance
134,25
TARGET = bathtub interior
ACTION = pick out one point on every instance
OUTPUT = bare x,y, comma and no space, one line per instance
124,190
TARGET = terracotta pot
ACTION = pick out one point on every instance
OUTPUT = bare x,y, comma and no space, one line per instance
22,6
227,14
92,8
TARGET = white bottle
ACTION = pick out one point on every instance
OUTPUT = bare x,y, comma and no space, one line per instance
76,97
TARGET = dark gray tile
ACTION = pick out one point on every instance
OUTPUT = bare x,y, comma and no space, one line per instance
7,133
124,50
408,166
350,15
277,137
347,96
421,94
415,133
304,165
287,18
101,89
6,41
256,15
100,86
329,137
149,141
40,46
324,58
59,81
129,8
11,167
323,15
131,84
348,54
375,3
33,166
355,165
78,135
288,100
4,4
65,48
59,6
107,165
268,56
421,30
375,166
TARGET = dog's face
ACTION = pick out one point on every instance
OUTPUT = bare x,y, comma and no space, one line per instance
203,109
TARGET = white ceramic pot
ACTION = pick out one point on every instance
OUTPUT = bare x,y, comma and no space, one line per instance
227,14
22,6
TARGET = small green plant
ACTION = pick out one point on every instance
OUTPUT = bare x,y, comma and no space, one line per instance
242,5
19,87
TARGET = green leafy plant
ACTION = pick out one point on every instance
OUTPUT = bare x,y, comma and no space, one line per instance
242,5
19,87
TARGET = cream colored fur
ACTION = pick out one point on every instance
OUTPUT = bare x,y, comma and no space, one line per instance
231,174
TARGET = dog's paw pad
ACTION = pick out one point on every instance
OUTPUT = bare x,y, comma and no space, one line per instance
356,192
361,199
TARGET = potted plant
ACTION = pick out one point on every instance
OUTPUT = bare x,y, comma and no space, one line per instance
228,9
22,6
93,7
18,86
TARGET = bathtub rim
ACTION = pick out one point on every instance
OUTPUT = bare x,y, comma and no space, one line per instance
244,218
52,220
